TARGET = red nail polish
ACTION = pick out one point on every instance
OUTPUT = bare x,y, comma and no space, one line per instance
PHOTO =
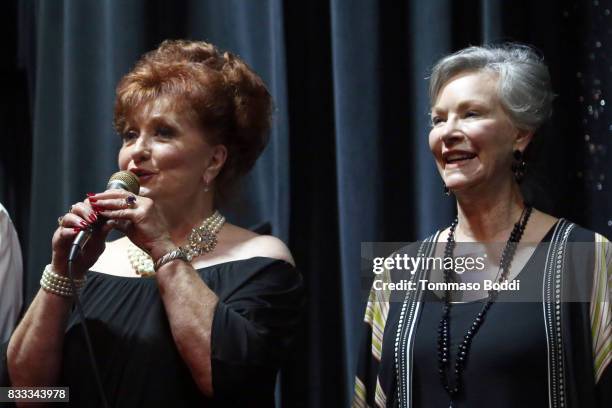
93,218
92,200
83,224
91,194
76,229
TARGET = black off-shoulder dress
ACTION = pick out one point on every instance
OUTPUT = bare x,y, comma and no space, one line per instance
259,307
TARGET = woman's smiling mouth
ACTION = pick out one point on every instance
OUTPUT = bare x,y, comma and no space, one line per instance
455,159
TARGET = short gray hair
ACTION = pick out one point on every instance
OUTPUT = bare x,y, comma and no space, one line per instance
523,86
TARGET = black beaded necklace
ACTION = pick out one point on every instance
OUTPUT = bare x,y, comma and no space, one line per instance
444,328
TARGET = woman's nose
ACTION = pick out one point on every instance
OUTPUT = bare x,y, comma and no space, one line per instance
451,133
141,150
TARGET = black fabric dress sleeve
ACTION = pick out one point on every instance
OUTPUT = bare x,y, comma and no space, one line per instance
253,326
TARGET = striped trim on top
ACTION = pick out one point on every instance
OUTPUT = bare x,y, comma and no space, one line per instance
376,314
379,395
359,397
601,306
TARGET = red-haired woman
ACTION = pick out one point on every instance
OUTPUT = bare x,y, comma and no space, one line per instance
186,309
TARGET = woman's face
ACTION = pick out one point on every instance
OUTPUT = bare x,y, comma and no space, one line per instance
166,150
472,138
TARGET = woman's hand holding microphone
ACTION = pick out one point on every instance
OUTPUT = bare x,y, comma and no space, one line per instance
136,216
82,215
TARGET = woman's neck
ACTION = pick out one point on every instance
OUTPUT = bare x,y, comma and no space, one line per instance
488,216
182,218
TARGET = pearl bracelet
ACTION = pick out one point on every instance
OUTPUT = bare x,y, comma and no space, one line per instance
57,284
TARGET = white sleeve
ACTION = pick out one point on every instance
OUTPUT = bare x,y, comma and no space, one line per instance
11,276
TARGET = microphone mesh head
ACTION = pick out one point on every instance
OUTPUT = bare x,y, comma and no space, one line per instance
127,178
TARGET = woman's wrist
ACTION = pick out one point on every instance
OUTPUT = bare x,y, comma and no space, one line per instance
161,249
61,268
60,285
178,254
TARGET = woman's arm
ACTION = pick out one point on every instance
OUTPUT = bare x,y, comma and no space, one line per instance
35,349
34,352
189,303
253,346
190,306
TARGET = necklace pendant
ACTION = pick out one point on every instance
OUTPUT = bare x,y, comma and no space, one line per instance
202,240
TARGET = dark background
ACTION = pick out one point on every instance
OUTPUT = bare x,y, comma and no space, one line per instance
348,159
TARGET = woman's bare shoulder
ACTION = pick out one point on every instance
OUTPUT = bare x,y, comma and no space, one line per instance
247,244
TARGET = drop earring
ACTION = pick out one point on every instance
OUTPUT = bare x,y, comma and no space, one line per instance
518,166
447,191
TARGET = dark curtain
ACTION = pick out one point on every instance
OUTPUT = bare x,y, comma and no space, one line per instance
348,160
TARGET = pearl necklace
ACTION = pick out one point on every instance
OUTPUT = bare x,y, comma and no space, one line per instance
202,240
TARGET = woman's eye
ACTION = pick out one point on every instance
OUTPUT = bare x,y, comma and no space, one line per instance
129,135
435,120
471,114
164,131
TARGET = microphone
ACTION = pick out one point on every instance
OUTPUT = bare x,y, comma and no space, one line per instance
124,180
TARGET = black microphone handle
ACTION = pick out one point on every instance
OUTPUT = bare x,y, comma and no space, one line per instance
83,236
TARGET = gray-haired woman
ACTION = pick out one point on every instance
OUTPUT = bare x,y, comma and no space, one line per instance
481,347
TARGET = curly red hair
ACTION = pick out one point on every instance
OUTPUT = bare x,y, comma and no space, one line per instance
224,95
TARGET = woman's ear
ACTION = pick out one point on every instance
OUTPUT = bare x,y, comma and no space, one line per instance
215,164
523,139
